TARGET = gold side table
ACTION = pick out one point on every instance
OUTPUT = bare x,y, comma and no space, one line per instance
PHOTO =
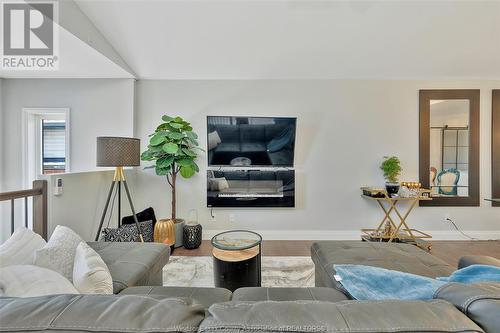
396,228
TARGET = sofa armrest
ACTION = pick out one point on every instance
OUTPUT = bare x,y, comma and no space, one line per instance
99,313
466,261
133,263
345,316
480,302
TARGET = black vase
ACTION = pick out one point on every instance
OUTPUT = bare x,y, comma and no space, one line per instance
392,188
192,236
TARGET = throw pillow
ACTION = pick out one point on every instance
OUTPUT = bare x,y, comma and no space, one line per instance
213,140
32,281
146,215
59,253
20,248
90,273
284,139
218,184
129,233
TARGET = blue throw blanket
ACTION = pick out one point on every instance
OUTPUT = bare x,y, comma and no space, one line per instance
374,283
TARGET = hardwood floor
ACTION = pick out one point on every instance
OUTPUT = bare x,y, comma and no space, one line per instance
449,251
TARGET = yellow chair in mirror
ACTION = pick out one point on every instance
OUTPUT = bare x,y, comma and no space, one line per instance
164,232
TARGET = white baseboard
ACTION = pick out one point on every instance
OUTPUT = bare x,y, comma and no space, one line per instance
355,234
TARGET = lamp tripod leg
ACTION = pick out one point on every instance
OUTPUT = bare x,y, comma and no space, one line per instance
105,210
133,210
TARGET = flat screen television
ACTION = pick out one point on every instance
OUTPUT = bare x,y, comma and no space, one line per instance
251,141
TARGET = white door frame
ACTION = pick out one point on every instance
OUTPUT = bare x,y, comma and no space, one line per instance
29,115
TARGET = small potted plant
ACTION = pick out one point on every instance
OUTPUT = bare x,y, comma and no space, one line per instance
174,148
391,166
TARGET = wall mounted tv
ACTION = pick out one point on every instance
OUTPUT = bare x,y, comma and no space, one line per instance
251,141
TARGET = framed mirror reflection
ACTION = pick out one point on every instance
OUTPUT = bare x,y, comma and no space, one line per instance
449,146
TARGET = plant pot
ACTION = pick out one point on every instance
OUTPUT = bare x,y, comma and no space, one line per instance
165,232
392,188
179,226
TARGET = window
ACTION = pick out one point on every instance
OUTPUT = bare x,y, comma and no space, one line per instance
53,157
45,142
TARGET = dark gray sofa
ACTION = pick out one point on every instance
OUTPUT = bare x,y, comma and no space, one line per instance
145,309
480,302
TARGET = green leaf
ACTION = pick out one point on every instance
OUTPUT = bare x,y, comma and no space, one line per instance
185,162
175,135
167,119
187,171
165,161
191,135
147,155
162,171
188,152
162,127
196,167
176,125
157,140
179,120
170,148
150,167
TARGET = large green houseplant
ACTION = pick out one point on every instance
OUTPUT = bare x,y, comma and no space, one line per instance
174,148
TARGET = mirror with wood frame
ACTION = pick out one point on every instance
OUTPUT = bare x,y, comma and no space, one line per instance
495,147
449,146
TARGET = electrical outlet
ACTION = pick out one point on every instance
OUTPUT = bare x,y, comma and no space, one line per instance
232,218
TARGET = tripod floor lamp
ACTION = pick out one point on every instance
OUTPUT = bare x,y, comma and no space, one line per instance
118,152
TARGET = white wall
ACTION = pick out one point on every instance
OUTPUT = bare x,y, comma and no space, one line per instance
345,127
97,107
82,201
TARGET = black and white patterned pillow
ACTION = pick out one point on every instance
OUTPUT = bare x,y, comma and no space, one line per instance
128,233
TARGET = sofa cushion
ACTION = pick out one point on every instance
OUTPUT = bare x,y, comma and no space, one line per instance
228,147
345,316
481,302
253,147
228,133
252,133
396,256
203,296
99,313
466,261
132,264
288,294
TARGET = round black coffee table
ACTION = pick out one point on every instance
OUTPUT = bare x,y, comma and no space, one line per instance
237,259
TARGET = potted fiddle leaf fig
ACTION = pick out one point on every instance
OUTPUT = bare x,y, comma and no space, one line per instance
173,147
391,166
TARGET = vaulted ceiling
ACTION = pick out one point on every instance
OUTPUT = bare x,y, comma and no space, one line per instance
208,39
302,39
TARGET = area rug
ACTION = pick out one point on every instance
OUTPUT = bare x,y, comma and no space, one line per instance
276,272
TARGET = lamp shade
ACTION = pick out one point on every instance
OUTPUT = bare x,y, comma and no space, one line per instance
115,151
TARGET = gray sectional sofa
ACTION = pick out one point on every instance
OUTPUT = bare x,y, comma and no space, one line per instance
325,308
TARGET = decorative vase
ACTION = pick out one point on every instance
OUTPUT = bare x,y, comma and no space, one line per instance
192,236
179,225
392,188
165,232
